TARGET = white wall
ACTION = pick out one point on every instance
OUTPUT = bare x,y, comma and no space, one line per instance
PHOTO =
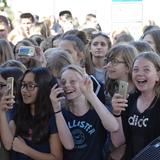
79,8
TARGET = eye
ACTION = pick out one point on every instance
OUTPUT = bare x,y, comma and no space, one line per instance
62,82
72,81
95,44
103,44
31,86
146,70
23,85
135,70
114,61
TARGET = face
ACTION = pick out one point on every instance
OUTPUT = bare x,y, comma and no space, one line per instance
117,69
144,75
29,89
3,31
70,81
26,24
3,85
68,46
149,39
99,46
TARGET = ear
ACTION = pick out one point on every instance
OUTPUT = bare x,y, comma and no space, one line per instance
158,76
127,70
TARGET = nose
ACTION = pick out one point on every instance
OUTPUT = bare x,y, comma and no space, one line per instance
109,64
67,84
99,46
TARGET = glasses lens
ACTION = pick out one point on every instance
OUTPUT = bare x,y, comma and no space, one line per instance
29,86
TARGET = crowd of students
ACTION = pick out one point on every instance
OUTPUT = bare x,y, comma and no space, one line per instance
66,104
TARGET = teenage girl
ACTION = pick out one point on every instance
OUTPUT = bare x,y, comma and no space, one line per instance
139,115
82,124
32,133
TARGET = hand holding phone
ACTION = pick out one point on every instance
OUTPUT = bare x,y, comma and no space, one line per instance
10,85
123,88
26,51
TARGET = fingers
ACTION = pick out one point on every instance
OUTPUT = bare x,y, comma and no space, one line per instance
56,92
119,104
7,102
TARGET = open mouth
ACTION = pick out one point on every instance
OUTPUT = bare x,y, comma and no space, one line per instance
68,92
141,81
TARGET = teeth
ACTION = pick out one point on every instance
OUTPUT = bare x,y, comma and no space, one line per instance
142,81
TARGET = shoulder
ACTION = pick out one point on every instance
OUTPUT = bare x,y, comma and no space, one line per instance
133,96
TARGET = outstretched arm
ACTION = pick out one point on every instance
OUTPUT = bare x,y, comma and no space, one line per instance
7,131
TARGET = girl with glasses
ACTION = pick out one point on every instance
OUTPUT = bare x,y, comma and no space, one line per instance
118,67
32,133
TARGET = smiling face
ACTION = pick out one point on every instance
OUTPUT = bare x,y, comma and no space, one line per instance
144,75
99,46
70,81
29,89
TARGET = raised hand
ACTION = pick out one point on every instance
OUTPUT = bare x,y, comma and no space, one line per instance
6,101
86,85
55,99
119,104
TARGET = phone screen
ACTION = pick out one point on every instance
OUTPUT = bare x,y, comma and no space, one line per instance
123,88
10,83
26,51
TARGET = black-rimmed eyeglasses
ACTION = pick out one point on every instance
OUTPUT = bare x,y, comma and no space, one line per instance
114,62
28,86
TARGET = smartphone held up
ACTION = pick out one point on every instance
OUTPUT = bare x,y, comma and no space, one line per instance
26,51
123,88
10,85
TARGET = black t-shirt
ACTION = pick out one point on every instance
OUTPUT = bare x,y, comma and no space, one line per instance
43,146
140,128
89,136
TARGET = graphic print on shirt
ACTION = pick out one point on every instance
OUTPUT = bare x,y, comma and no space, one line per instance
80,130
138,121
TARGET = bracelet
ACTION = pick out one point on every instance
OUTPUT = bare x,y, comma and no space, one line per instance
116,115
58,111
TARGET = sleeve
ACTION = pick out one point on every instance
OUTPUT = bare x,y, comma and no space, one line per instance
52,125
11,113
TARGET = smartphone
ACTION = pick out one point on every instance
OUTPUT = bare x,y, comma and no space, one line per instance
10,85
26,51
61,94
123,88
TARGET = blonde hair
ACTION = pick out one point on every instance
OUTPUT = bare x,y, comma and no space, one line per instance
57,59
80,71
75,68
